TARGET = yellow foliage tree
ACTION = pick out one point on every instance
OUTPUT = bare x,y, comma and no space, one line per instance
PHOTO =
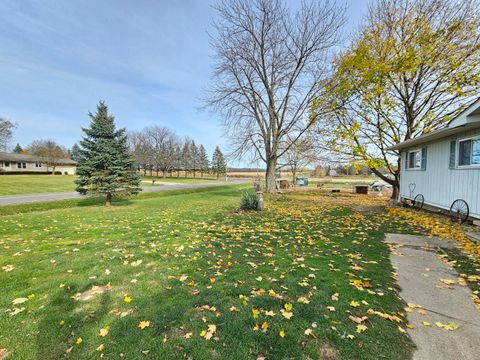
413,66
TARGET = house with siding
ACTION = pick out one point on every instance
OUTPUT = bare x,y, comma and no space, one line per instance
442,168
12,163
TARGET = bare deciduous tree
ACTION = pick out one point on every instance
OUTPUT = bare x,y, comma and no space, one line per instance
270,64
6,132
299,155
139,147
161,145
168,153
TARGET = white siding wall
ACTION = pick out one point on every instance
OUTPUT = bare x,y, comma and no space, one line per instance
440,185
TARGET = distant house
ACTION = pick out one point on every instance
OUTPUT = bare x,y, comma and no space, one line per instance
22,163
442,168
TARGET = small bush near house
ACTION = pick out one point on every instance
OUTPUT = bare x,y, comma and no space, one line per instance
249,201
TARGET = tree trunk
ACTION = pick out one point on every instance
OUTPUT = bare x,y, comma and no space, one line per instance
294,176
108,200
394,182
164,174
396,191
218,175
270,174
396,185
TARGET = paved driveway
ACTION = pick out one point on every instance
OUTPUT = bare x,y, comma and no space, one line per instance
31,198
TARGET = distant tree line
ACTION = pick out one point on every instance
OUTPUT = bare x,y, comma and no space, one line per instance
322,170
158,150
155,149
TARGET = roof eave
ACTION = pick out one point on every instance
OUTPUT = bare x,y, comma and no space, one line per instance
437,135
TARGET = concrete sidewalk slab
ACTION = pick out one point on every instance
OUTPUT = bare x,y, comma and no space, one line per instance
419,241
420,273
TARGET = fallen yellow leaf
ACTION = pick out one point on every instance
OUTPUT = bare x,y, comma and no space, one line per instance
449,326
104,331
270,313
286,314
144,324
361,328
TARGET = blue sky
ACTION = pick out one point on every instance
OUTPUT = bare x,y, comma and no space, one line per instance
148,59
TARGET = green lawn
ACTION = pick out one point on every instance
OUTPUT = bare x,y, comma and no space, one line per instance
204,281
35,184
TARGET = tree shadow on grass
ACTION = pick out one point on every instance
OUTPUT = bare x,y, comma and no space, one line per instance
65,320
100,200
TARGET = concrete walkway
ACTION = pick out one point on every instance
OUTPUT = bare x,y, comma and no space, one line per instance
31,198
425,286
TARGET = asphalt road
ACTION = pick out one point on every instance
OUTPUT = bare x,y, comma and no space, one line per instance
31,198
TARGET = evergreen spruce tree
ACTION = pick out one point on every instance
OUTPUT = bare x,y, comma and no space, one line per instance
18,149
75,152
219,166
105,165
203,160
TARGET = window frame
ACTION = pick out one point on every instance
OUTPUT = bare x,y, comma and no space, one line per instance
419,150
457,153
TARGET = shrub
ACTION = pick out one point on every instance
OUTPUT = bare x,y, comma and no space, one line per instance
249,201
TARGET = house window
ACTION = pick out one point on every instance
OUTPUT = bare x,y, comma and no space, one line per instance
7,164
38,165
469,152
415,159
21,165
